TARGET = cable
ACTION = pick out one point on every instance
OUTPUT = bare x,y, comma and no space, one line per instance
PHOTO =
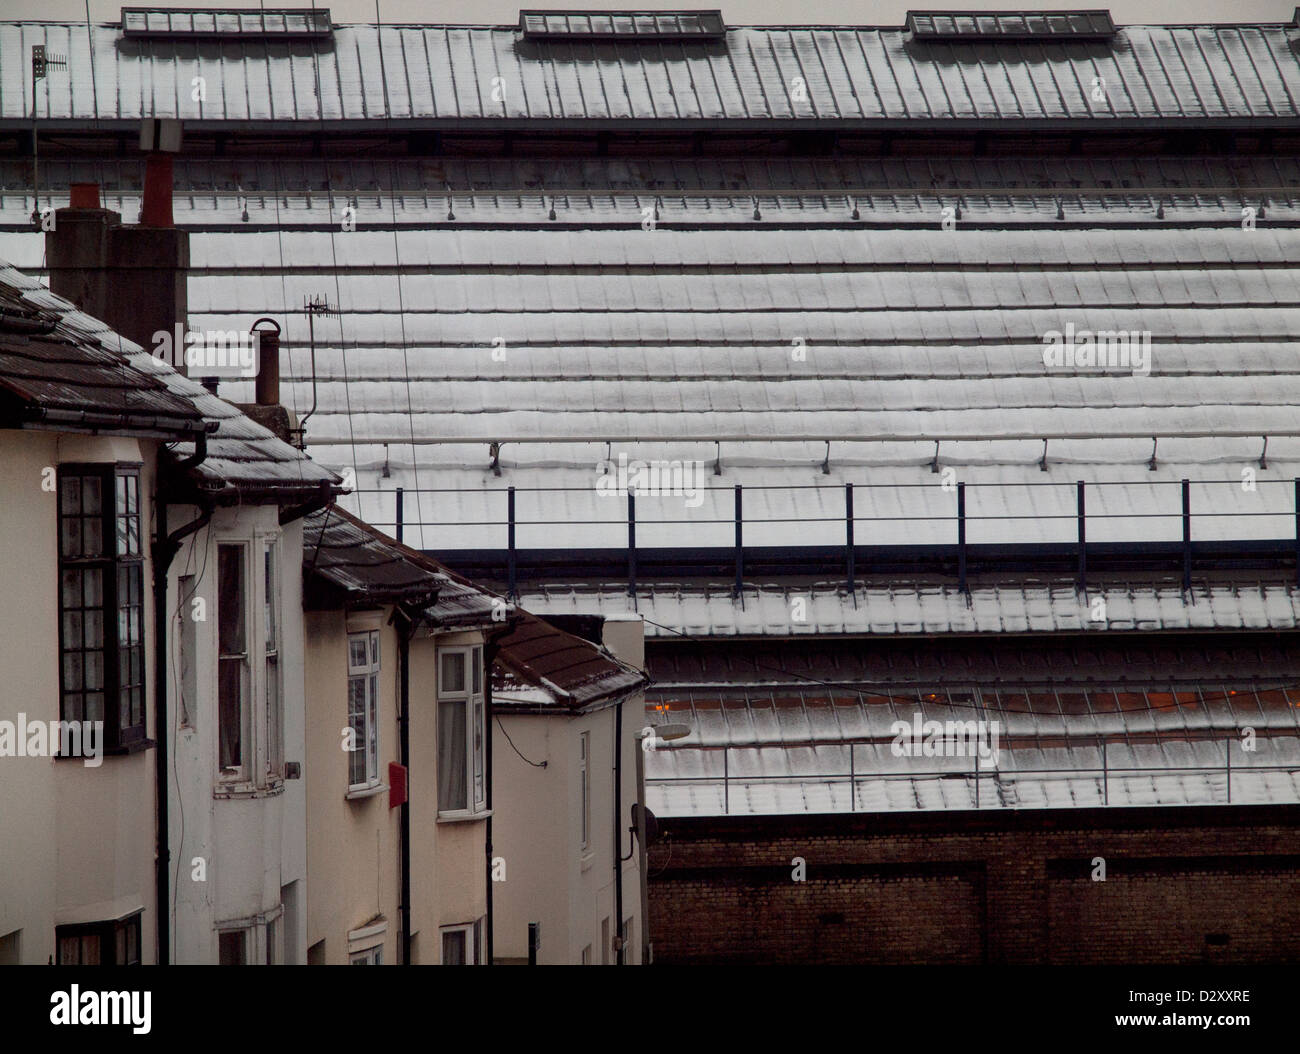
535,764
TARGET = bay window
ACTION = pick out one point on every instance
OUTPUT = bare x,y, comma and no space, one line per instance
462,769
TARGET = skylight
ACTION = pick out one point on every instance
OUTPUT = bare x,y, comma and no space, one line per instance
622,25
1010,25
278,23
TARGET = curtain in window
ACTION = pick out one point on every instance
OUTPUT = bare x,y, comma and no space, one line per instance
451,756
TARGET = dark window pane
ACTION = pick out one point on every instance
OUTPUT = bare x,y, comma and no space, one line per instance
230,599
230,712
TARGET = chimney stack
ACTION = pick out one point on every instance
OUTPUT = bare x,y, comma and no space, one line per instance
132,277
268,363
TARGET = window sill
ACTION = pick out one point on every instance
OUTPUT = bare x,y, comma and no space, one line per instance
359,793
236,789
134,747
463,817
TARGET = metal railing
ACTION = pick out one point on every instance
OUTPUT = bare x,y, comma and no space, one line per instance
854,777
861,529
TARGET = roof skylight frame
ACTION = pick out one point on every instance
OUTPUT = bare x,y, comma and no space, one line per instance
588,26
227,24
1092,24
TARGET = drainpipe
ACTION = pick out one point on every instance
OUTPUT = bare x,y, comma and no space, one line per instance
490,649
165,548
405,628
618,827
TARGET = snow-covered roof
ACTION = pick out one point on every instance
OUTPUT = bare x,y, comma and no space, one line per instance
848,76
779,752
902,609
240,451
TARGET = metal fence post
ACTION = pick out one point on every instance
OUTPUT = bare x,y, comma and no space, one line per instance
740,546
1187,535
510,539
1083,539
848,535
631,542
961,538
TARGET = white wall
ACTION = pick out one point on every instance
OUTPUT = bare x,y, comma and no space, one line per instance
77,841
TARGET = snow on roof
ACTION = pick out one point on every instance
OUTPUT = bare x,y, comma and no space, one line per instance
844,75
908,609
770,753
572,347
239,450
269,195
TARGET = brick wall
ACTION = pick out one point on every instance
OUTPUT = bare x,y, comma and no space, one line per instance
1182,885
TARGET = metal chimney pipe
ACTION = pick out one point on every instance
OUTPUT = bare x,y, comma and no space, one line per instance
268,362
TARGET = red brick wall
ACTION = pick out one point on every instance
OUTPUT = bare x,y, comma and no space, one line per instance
1194,885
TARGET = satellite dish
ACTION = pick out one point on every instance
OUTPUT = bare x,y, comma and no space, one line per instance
651,824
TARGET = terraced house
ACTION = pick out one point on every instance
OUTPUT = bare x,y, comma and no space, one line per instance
966,348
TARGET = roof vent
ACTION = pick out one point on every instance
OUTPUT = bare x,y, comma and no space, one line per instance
657,26
1010,25
156,23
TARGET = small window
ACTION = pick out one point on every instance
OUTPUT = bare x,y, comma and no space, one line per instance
604,941
232,663
462,732
232,948
187,646
463,945
363,708
100,943
369,957
584,789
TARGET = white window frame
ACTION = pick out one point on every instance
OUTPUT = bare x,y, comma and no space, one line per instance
368,673
584,790
474,936
473,698
366,945
236,774
262,747
270,632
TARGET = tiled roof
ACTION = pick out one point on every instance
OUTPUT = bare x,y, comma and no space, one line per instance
842,75
52,378
240,452
540,668
351,562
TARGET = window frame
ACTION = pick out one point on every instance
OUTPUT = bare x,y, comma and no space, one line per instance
237,773
584,791
473,933
369,674
118,737
472,697
271,634
107,931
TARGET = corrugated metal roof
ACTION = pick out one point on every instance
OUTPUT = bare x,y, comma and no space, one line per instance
456,193
843,75
788,754
908,609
